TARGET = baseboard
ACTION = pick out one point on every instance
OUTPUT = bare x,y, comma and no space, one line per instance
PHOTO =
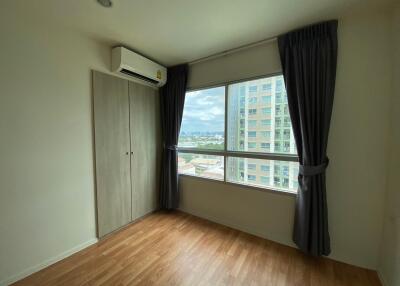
46,263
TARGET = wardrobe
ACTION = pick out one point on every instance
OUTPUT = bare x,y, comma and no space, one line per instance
127,140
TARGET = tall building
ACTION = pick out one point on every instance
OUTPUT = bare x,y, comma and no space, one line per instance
259,121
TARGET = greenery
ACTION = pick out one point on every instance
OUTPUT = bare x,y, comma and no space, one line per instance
213,146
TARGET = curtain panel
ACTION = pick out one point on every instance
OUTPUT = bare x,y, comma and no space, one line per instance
172,102
309,57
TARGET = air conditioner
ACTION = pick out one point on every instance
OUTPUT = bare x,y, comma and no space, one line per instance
133,65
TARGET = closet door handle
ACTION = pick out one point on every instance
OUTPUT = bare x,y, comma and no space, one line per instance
127,153
131,153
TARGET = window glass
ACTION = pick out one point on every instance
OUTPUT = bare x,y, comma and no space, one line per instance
207,166
252,133
253,100
267,122
251,166
203,120
252,145
265,134
266,99
284,173
252,123
266,87
266,110
253,88
257,120
252,111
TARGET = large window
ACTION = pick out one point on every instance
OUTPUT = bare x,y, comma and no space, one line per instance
223,136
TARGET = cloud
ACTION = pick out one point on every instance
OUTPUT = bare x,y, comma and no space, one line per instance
204,110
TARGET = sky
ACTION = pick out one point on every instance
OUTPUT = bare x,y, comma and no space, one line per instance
204,111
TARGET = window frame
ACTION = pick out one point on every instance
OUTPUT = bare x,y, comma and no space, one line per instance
240,154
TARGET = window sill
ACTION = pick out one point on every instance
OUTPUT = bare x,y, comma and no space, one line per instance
277,191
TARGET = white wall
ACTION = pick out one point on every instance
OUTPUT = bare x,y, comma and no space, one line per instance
389,268
357,148
47,204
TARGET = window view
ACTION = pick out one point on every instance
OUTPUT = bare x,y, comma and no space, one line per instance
263,173
270,120
207,166
203,121
257,121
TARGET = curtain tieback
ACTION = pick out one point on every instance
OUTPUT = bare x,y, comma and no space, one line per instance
170,147
312,170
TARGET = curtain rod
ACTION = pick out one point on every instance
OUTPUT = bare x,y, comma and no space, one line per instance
234,50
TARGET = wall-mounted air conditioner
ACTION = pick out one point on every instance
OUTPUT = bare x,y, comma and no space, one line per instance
133,65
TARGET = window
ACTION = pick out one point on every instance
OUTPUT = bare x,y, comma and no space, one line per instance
278,97
252,123
266,110
266,87
266,99
252,145
265,134
286,110
286,134
208,166
251,166
285,182
286,146
252,111
278,147
253,88
266,122
265,168
279,85
251,177
285,171
203,121
277,170
265,145
278,110
246,154
253,100
286,122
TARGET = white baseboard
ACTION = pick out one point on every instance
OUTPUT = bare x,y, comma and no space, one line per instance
46,263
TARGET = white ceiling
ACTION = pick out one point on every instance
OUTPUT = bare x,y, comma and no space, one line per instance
177,31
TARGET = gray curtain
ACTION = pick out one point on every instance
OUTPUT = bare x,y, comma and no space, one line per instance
172,102
309,57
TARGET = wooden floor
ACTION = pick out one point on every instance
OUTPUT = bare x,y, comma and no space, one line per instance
179,249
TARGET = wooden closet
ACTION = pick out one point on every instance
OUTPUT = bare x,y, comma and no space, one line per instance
127,150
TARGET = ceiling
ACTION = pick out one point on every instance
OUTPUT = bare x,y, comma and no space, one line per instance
177,31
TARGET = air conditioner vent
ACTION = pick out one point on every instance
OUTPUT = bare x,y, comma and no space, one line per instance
131,73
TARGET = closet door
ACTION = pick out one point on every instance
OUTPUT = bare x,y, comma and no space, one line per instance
145,144
112,145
